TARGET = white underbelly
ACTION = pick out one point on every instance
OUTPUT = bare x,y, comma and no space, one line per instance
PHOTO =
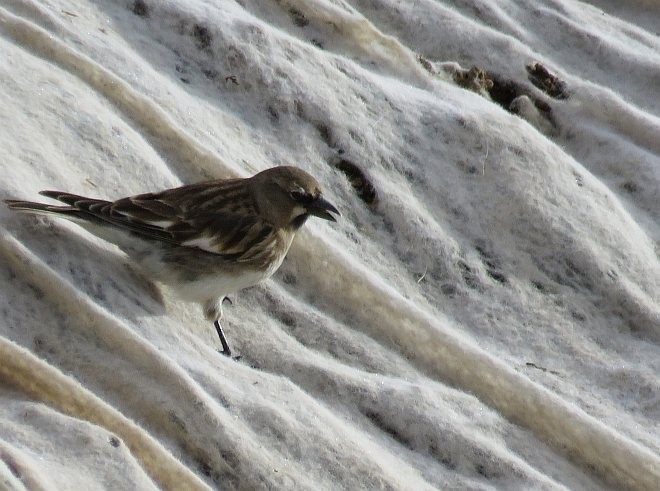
218,286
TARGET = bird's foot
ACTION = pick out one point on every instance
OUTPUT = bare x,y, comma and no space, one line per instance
228,354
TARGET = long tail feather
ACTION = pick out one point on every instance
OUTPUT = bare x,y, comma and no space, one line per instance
42,208
68,198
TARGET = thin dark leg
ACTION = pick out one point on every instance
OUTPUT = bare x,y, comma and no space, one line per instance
225,346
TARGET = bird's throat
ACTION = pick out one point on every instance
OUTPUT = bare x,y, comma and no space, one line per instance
299,221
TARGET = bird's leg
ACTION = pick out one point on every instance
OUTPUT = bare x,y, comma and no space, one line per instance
225,345
213,310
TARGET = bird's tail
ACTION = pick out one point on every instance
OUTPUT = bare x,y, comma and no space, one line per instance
70,211
40,208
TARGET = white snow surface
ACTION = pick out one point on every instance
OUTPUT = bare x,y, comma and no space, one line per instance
491,322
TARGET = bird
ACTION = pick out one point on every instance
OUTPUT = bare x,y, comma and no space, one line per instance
204,240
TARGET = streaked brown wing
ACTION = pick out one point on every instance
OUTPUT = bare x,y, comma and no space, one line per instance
96,210
218,217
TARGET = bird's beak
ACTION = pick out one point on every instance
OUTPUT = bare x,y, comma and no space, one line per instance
320,208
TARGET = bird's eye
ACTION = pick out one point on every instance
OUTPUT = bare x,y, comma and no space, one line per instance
299,195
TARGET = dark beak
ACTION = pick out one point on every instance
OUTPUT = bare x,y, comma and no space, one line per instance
320,208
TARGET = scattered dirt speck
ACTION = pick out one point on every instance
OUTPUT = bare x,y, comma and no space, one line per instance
324,133
475,79
140,8
539,286
210,73
425,63
359,180
385,427
468,274
630,187
448,289
174,418
298,17
289,278
202,36
506,92
546,81
492,264
538,367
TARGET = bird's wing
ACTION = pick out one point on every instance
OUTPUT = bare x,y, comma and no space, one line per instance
218,217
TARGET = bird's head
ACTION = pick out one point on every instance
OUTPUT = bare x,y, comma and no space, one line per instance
287,196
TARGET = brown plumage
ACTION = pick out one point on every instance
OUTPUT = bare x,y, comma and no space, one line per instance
206,240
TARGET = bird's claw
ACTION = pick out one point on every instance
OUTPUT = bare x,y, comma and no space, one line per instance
228,354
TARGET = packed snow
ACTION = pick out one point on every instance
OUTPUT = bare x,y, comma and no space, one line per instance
484,315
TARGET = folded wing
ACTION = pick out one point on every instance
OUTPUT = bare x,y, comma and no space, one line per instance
218,217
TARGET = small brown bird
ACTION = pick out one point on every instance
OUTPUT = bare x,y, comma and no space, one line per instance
205,240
